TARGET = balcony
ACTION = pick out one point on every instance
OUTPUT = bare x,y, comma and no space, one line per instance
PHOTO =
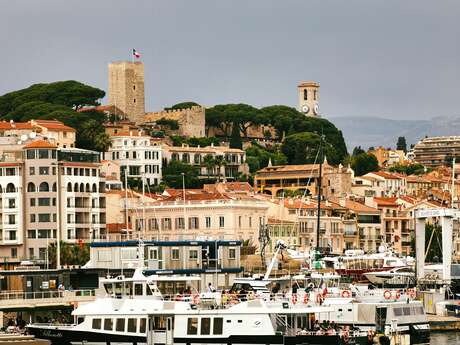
347,233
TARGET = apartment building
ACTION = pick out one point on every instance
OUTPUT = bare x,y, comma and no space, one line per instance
176,215
274,180
54,131
49,193
235,160
434,151
393,184
137,154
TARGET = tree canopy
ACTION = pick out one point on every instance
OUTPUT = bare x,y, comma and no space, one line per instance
257,157
364,163
183,105
401,144
172,175
60,101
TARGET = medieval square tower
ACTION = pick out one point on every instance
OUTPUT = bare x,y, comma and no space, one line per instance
126,89
308,93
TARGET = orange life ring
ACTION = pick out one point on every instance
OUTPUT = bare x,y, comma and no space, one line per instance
411,293
196,299
306,297
294,298
387,294
345,294
398,294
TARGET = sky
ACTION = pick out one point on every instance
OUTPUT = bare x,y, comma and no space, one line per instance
385,58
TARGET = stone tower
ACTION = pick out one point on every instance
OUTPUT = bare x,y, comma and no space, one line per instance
308,98
126,89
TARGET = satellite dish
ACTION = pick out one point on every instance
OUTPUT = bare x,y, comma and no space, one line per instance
19,142
23,137
32,135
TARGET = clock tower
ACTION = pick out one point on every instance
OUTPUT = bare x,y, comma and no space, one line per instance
308,98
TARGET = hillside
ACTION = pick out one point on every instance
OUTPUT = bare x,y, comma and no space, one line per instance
372,131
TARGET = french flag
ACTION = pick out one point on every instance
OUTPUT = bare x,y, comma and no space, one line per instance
136,54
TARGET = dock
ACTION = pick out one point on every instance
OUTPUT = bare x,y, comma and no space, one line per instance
17,339
443,323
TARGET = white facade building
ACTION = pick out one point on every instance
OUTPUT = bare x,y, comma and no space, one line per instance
139,154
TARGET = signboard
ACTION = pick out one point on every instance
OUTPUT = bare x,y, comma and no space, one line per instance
434,212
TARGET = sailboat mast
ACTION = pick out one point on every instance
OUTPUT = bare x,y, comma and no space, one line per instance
319,193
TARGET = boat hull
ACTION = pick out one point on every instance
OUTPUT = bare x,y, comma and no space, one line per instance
60,336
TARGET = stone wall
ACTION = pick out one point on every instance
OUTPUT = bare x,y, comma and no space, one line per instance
191,121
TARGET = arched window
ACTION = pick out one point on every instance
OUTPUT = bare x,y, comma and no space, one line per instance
31,187
175,157
305,94
44,187
54,187
197,158
185,158
10,188
69,187
87,189
94,188
75,187
82,187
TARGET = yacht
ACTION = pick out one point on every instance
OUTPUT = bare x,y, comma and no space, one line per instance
134,311
400,276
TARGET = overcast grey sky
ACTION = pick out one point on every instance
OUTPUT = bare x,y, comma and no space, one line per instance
392,58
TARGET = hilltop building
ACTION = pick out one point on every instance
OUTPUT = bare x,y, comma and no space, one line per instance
308,94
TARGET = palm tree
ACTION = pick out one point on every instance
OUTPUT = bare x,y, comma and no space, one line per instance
220,161
210,163
102,142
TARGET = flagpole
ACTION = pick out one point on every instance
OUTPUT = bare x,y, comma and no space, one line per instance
132,55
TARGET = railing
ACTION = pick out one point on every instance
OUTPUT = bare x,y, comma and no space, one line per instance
203,202
24,295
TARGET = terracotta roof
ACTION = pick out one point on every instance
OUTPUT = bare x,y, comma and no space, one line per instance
40,144
131,134
408,199
15,125
122,193
383,201
54,125
386,175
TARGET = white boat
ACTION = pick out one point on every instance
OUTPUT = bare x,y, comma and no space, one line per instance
134,311
400,276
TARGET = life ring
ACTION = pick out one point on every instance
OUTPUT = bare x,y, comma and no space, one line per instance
294,298
345,294
306,297
398,294
196,299
411,293
387,294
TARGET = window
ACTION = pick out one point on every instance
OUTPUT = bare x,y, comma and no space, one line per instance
193,223
12,235
305,94
30,154
11,219
193,254
138,289
32,202
10,171
44,217
44,187
239,221
250,222
11,203
96,323
30,187
14,252
167,224
108,324
31,170
218,325
180,224
132,325
44,233
32,218
174,253
192,326
208,222
232,253
43,201
43,154
221,221
31,234
120,325
142,324
31,253
205,326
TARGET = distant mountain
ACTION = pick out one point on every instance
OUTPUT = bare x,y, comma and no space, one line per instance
375,131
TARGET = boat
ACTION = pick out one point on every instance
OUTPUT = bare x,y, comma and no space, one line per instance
133,311
400,276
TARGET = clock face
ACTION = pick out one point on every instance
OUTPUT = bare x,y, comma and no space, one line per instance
305,109
316,109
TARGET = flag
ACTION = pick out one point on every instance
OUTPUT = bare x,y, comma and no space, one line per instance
136,54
